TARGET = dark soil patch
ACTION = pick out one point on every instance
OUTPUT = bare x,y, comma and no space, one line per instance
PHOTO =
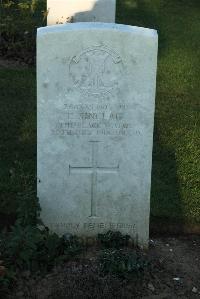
175,273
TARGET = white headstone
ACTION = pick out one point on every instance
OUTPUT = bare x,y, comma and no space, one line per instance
96,91
64,11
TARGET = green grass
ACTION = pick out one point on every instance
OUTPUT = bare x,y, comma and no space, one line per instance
18,136
175,194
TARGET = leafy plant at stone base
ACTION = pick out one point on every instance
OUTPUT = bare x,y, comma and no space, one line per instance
124,263
29,245
113,239
117,260
34,249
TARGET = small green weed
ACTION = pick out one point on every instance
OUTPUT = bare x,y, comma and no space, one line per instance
113,239
116,259
123,263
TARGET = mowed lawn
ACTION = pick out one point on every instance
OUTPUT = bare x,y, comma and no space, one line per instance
175,196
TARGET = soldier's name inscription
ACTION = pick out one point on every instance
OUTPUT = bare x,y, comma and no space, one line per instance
95,119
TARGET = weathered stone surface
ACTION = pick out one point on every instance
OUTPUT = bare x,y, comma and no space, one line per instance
64,11
96,91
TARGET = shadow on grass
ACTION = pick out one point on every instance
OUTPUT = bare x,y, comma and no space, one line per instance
18,139
166,203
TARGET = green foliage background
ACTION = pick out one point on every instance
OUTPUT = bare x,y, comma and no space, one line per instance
19,20
175,195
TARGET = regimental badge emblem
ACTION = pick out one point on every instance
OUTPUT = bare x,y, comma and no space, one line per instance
96,70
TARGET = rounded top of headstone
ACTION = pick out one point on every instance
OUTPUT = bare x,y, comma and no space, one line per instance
98,26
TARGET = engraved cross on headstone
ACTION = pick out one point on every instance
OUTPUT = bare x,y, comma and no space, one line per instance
93,170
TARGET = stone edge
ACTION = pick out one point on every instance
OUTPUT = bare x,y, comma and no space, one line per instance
97,25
